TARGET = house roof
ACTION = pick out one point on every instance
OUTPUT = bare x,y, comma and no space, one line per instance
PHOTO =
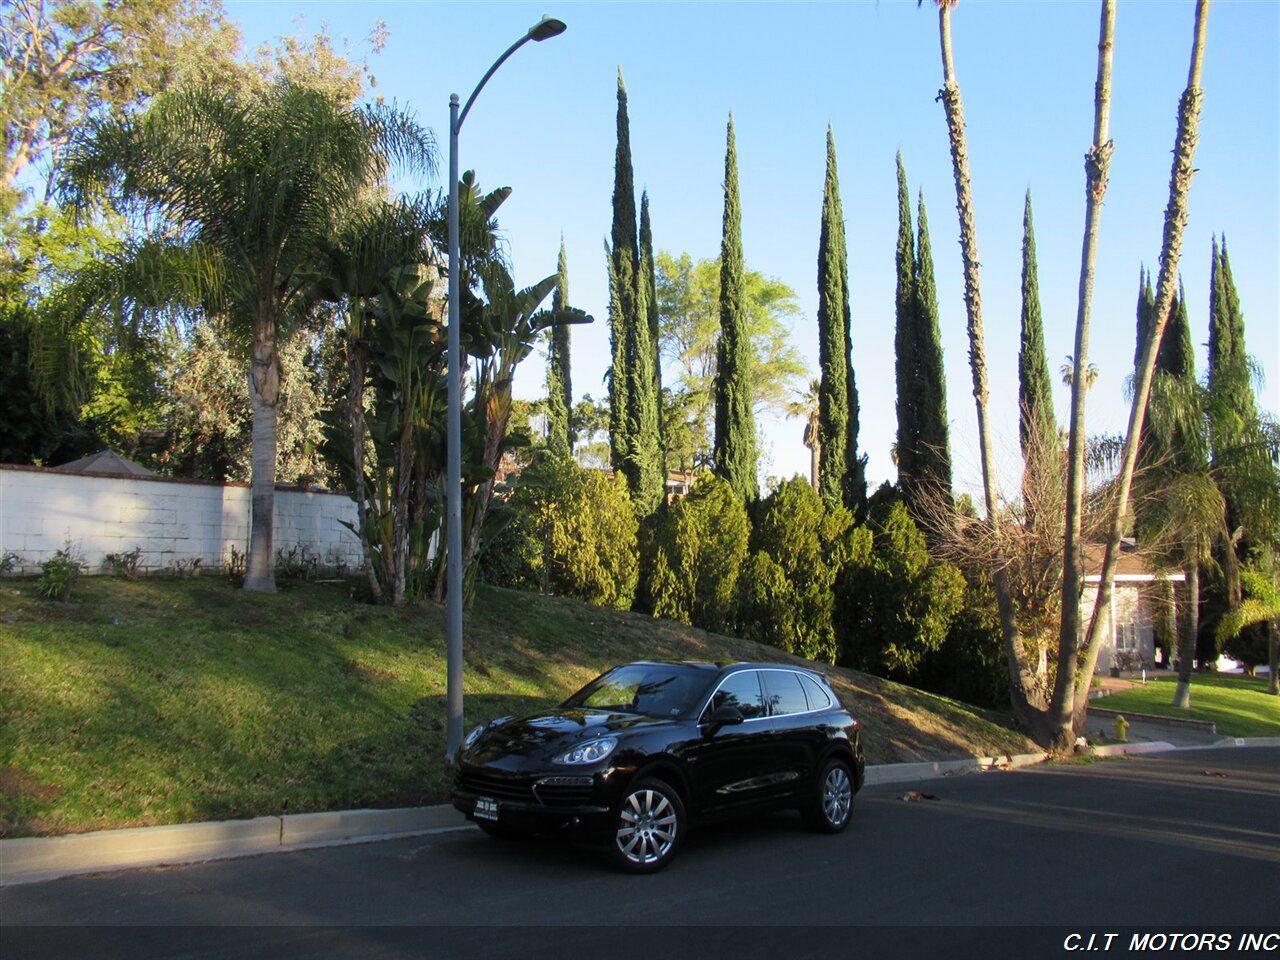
105,461
1131,565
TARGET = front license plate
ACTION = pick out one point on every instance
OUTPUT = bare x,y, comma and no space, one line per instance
486,809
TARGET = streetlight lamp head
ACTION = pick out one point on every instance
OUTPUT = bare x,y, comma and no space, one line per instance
546,28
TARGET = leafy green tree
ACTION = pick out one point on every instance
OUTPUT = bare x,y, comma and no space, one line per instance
799,545
207,415
689,314
895,604
736,453
67,63
243,189
701,548
559,382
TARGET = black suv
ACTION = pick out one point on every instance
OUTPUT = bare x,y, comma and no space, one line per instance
645,748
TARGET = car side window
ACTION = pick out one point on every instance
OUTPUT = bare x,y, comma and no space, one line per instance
819,699
741,690
785,693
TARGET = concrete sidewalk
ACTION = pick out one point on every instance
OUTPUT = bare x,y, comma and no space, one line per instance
34,859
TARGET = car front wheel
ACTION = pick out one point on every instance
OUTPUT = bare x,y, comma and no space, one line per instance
649,827
832,807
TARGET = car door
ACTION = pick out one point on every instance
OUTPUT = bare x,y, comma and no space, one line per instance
798,735
734,766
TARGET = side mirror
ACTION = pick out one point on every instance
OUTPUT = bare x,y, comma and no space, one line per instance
724,716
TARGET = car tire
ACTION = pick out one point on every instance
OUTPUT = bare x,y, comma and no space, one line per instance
649,827
831,807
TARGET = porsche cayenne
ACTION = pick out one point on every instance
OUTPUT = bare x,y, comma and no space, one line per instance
647,749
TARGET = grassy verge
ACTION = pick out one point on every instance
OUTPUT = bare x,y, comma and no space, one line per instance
166,701
1239,706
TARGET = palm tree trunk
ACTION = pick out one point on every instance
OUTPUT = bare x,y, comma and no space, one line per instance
1097,162
1021,676
1187,638
264,394
1175,221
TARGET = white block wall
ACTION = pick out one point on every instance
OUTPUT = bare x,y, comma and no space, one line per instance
171,520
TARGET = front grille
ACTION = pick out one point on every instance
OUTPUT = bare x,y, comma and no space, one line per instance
564,791
494,785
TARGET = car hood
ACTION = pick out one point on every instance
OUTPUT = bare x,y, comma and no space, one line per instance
552,732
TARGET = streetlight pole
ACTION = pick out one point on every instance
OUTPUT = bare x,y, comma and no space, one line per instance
544,29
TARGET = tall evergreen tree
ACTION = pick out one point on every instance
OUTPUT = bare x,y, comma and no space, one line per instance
648,278
644,470
1037,425
559,385
622,274
735,444
1229,375
833,345
933,451
905,348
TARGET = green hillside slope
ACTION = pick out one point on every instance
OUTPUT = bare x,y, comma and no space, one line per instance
165,701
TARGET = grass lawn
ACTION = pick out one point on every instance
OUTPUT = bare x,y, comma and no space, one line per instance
1239,706
165,701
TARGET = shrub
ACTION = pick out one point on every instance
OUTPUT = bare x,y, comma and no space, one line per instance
799,546
701,547
127,565
59,574
9,562
569,531
970,665
895,605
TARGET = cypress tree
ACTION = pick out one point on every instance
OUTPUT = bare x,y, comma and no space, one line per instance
735,440
1037,426
645,475
904,345
833,347
559,386
933,451
622,272
1145,312
648,277
1229,377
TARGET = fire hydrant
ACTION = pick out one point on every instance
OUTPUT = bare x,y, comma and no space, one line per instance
1122,729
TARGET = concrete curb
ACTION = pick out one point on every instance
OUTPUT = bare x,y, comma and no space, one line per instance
931,770
34,859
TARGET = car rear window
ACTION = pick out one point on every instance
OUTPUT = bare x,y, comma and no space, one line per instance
819,699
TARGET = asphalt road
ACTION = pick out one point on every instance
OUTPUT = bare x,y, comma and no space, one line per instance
1188,839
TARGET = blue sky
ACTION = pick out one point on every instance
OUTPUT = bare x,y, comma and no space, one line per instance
545,126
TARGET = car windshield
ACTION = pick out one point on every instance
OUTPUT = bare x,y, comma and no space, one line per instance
652,689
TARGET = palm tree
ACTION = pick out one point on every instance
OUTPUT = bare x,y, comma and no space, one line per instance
808,406
239,190
1166,288
1022,679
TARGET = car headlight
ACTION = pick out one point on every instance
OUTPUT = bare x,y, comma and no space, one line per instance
589,752
473,736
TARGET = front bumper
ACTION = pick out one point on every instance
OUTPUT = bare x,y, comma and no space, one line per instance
537,799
